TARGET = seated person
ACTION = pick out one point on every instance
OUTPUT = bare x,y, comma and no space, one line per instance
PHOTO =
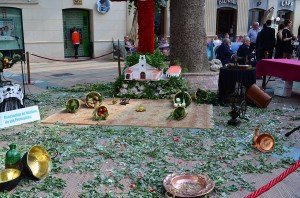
245,56
223,53
128,44
164,46
216,40
240,39
226,35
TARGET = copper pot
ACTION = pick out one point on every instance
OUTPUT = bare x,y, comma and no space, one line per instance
37,163
9,179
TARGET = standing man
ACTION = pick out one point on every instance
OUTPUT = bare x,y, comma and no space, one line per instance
252,34
267,40
76,41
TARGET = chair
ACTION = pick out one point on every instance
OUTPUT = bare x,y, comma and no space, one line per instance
115,45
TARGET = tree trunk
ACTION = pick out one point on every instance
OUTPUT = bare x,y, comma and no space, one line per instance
187,35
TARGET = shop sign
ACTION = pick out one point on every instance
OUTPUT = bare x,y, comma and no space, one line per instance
286,5
258,4
77,2
221,2
227,3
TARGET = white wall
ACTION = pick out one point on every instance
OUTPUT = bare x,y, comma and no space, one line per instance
296,19
43,26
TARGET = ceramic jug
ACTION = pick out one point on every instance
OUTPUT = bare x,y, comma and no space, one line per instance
13,157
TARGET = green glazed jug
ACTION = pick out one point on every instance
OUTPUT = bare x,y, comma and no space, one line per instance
13,157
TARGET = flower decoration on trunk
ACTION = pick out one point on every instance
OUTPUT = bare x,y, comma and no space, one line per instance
7,62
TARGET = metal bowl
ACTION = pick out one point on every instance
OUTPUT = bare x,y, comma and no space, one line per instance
188,184
9,179
265,142
37,162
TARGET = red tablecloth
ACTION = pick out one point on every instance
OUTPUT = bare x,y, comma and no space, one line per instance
287,69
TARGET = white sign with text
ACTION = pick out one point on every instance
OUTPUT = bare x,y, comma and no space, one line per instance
19,116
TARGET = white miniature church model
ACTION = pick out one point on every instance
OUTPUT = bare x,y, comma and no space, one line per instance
143,71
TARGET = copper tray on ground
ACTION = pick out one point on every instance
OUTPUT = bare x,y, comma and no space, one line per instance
188,184
265,142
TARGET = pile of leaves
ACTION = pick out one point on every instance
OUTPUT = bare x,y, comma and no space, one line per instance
132,161
206,97
149,89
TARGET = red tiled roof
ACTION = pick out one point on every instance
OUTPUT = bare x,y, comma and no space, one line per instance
156,72
174,69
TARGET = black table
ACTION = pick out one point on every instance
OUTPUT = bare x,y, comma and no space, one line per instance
229,77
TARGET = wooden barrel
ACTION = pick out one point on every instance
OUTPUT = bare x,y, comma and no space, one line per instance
258,96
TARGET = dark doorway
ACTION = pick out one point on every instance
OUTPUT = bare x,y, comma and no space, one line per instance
159,21
80,19
226,21
143,75
283,15
255,15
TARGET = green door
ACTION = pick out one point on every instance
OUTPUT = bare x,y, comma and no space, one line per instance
79,19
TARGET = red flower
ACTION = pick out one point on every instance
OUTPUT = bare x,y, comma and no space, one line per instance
110,174
124,146
176,139
117,141
152,190
132,186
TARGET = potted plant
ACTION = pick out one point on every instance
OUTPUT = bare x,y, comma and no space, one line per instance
93,99
178,114
182,99
72,105
100,113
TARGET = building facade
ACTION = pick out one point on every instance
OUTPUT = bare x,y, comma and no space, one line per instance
236,16
44,27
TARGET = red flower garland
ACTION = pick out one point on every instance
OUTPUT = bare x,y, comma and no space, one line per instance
146,26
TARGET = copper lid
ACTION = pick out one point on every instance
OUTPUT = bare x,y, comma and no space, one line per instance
265,142
188,184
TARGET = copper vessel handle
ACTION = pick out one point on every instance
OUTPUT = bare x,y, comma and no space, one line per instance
56,152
